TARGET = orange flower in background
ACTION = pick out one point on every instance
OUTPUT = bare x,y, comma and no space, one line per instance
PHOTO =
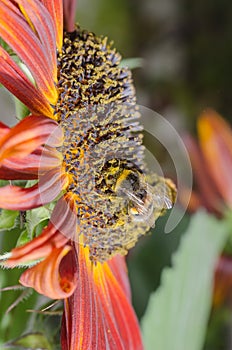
78,144
211,160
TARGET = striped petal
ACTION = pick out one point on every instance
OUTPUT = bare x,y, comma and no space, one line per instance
99,314
44,27
31,166
55,8
61,226
19,85
49,187
215,137
27,135
119,269
36,163
54,277
18,34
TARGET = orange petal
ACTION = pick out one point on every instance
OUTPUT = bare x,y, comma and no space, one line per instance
18,34
215,137
44,27
19,85
209,195
4,129
27,135
119,269
54,277
61,226
48,188
55,8
99,314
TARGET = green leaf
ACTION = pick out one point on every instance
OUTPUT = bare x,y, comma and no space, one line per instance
8,219
6,47
178,312
23,238
20,109
30,341
36,220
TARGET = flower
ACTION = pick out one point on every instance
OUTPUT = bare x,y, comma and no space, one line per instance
211,160
78,142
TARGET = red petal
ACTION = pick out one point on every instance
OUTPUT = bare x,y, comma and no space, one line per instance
55,7
18,34
56,234
54,277
19,85
38,162
9,174
69,15
99,314
44,27
31,166
27,135
48,188
215,137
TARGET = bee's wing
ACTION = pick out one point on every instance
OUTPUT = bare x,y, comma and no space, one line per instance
162,195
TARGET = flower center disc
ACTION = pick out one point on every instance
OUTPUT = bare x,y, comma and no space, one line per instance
97,111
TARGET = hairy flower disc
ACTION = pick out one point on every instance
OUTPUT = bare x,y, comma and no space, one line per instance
102,144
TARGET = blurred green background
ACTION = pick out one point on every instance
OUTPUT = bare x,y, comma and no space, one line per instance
186,51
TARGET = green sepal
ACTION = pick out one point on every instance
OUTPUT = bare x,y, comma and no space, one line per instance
30,341
8,219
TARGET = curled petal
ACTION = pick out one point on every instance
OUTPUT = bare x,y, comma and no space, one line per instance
18,34
49,187
61,226
54,277
215,138
27,135
99,315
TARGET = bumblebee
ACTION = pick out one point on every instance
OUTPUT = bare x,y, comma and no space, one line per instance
147,197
